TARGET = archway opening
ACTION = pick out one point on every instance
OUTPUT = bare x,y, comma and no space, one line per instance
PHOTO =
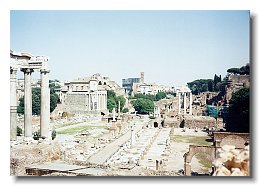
155,124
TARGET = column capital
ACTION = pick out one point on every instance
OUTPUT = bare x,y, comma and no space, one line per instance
45,71
27,70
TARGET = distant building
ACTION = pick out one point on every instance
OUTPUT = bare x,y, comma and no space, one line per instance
88,94
148,88
127,84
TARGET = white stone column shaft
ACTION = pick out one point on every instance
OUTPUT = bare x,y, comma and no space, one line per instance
27,102
119,109
105,101
190,104
13,104
89,108
179,102
185,107
114,114
45,105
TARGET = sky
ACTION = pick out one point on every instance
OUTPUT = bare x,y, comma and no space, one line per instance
170,47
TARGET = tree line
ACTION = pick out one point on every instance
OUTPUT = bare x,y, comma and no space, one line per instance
217,83
36,100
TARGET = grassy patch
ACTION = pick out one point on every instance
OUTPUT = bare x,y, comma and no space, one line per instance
195,140
204,160
78,129
68,124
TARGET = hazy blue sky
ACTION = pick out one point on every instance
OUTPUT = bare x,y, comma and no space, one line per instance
171,47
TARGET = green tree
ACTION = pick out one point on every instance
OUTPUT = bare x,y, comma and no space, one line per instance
160,95
143,106
111,94
238,112
54,98
200,85
36,101
145,96
125,110
234,70
242,70
111,103
19,131
20,108
36,104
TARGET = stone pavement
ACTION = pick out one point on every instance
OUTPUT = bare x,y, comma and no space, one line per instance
109,150
156,151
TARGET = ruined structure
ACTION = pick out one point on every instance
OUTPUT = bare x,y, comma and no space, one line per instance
235,83
220,139
239,140
28,63
182,100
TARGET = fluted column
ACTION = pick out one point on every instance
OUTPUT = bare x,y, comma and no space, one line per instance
190,104
13,104
45,105
184,102
27,102
179,102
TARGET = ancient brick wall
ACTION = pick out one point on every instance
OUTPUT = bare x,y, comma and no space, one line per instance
231,138
199,122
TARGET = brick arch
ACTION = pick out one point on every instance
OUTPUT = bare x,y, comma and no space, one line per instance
194,149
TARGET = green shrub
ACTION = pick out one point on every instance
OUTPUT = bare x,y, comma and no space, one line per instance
19,131
125,110
36,135
53,134
65,114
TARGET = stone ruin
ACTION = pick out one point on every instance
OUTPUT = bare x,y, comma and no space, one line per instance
228,160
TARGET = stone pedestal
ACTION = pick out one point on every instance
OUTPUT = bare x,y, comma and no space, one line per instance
27,103
45,105
13,104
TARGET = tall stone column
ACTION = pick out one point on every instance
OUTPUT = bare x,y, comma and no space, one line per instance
118,109
190,104
179,103
114,114
45,105
184,102
89,108
105,101
27,102
102,101
13,104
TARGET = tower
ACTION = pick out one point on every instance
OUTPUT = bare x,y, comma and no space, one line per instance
142,77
